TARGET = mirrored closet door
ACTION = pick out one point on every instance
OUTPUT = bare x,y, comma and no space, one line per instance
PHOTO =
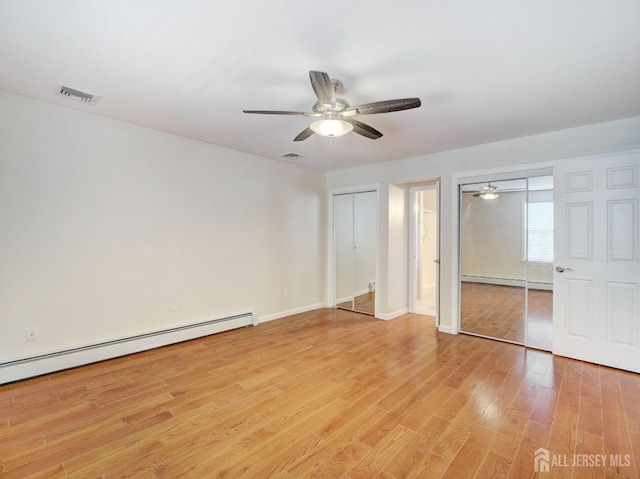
355,235
506,260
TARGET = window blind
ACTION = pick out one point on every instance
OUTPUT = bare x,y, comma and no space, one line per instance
540,232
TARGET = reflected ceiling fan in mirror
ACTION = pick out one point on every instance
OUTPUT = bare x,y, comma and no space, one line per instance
335,115
487,192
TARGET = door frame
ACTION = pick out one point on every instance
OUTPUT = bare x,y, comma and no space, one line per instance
413,244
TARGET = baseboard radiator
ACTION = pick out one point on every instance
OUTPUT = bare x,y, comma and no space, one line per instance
14,370
520,283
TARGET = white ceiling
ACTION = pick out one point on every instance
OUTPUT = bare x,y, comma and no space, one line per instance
485,71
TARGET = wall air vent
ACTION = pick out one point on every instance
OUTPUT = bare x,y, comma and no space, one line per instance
78,95
291,156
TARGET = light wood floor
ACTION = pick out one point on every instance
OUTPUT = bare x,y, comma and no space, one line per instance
327,393
499,312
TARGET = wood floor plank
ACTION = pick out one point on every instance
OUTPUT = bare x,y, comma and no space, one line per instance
616,432
184,443
453,438
31,462
325,393
509,433
381,454
432,466
589,447
590,412
420,447
503,398
535,436
635,445
544,406
472,453
285,452
630,387
339,462
427,407
494,466
321,458
563,435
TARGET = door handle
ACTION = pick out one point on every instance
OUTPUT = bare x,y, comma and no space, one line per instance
562,269
436,261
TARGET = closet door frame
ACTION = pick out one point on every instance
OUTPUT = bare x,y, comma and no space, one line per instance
544,169
331,253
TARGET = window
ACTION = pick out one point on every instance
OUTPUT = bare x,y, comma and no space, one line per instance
540,232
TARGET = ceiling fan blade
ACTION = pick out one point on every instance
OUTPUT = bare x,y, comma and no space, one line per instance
363,129
304,134
322,87
386,106
275,112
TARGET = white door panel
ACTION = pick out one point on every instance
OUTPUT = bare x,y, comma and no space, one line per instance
597,295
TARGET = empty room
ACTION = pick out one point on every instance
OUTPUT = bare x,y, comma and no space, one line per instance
339,240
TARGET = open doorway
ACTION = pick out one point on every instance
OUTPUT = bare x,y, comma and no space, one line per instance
425,271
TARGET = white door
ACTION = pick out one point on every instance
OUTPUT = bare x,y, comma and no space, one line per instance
596,307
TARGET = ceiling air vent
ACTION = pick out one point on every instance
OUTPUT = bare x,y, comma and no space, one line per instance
78,95
291,156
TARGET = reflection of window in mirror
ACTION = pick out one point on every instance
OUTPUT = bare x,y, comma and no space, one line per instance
538,221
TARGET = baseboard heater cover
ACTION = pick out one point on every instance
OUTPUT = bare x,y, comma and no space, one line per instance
28,367
520,283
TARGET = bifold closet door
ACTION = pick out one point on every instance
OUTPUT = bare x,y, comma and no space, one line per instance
344,252
493,272
355,230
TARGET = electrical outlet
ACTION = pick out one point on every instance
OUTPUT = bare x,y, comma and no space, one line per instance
285,292
173,312
32,334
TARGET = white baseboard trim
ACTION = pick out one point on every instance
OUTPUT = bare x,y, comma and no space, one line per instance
344,300
447,330
291,312
23,368
393,315
428,289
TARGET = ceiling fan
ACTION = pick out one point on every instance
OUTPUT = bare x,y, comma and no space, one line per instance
487,192
336,115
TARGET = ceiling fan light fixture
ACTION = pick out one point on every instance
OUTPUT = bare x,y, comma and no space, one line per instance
331,127
489,196
333,111
487,192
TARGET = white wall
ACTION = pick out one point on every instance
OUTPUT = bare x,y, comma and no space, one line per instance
106,225
519,153
397,279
